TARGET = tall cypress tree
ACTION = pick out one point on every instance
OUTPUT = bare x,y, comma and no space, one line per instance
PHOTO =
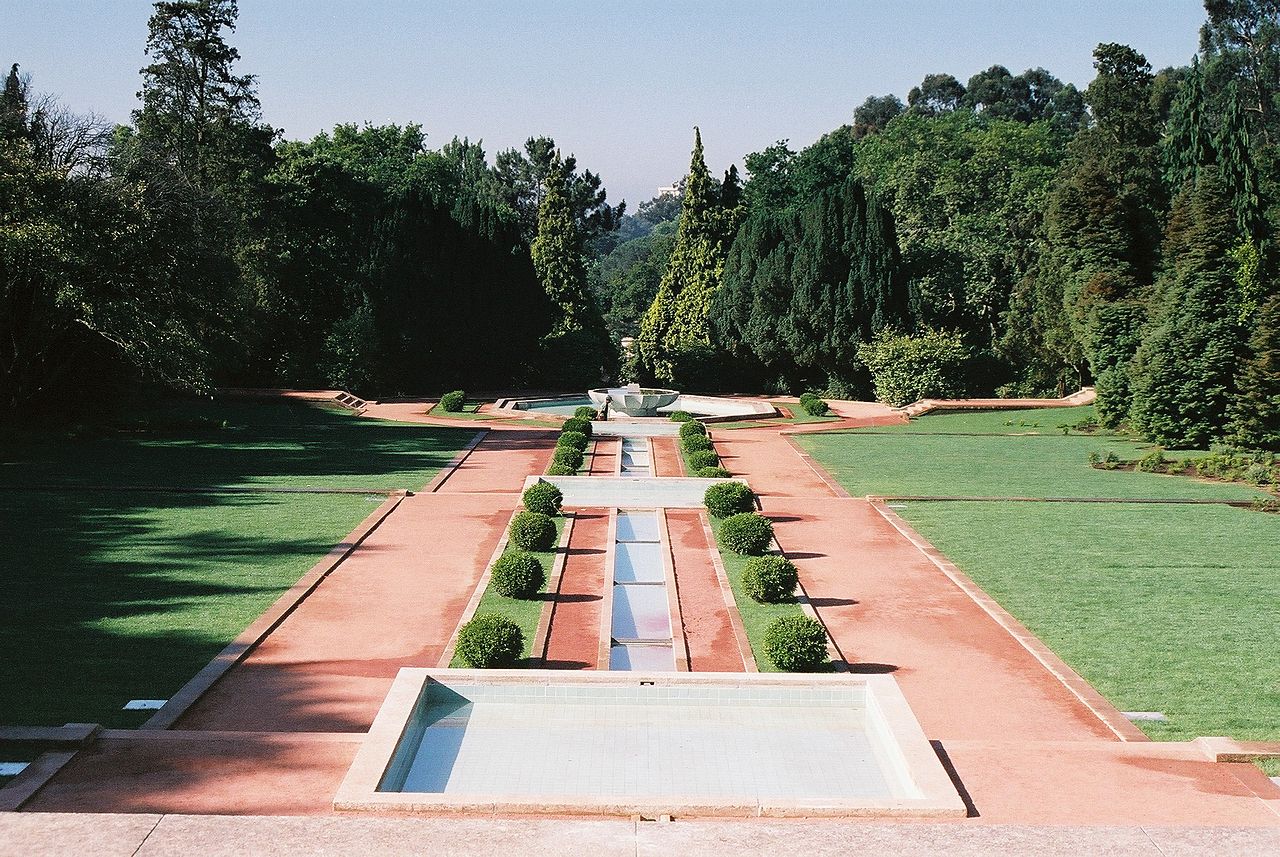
1188,147
1183,373
1235,156
676,326
557,251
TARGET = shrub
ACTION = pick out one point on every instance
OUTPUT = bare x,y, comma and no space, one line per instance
585,412
796,644
807,397
1153,462
543,497
769,579
815,407
728,498
692,428
578,425
490,640
695,442
1107,461
453,402
567,456
703,458
681,416
561,470
906,367
710,472
517,574
573,439
532,531
747,533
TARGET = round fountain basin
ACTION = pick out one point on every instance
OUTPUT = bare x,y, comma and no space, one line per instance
633,401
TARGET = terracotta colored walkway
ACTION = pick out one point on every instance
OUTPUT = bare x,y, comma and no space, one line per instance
666,458
574,638
394,602
708,625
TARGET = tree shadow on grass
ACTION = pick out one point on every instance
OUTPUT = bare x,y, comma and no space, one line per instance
112,596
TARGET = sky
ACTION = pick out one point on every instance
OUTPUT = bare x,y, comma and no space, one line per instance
620,84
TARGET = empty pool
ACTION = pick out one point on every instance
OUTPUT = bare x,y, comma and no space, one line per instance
710,743
640,610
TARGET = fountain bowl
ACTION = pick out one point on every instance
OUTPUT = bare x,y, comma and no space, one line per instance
633,400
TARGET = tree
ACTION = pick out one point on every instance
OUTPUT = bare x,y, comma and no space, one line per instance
1183,377
936,94
1255,413
557,252
1241,42
522,178
1235,158
194,105
1120,96
676,325
875,114
1188,146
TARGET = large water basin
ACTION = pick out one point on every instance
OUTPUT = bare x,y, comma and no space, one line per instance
540,741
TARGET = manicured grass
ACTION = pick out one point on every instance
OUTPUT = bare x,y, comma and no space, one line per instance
112,596
1162,608
1270,767
925,459
756,617
277,443
118,595
525,612
1040,421
798,415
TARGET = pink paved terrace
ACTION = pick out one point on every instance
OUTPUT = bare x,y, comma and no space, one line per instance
1026,741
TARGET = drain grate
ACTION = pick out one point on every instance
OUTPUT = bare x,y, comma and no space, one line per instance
1146,716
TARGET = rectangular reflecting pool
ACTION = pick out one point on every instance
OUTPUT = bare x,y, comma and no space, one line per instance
538,741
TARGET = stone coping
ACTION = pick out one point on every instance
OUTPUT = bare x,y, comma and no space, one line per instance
925,790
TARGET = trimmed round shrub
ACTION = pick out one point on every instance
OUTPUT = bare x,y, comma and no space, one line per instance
453,402
532,531
567,456
747,534
490,640
695,442
769,579
578,425
574,439
729,498
543,497
816,407
586,412
806,398
703,458
711,472
796,644
561,470
517,574
681,416
692,428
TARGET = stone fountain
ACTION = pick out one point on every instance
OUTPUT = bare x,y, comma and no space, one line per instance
632,400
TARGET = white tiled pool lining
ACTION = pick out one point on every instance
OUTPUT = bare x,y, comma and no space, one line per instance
547,741
640,633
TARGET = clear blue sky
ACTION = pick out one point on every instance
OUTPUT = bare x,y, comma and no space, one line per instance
619,83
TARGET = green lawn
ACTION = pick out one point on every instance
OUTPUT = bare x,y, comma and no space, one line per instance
1162,608
799,415
756,617
118,595
263,443
978,454
470,411
525,612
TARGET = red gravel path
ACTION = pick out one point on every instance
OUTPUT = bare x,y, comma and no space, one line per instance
574,639
707,625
